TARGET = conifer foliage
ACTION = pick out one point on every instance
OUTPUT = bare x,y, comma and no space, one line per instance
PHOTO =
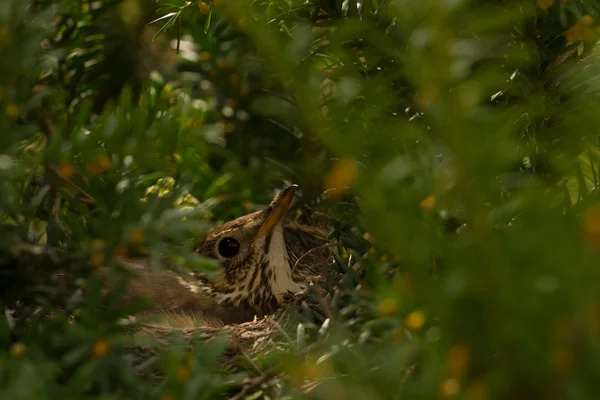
450,146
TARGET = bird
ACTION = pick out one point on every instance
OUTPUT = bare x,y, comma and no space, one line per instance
256,273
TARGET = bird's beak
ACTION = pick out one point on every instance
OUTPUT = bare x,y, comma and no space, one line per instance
275,212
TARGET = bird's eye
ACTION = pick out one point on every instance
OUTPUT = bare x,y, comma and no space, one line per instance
228,247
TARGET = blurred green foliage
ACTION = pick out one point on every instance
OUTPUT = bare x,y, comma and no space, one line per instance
460,138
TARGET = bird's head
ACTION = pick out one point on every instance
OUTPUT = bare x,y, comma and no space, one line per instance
254,258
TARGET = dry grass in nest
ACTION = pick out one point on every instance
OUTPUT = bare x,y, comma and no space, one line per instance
245,341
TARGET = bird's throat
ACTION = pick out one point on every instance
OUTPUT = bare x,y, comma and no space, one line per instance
278,260
268,278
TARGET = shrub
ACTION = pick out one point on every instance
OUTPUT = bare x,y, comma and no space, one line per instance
453,146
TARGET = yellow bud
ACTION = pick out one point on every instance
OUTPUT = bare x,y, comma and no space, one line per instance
100,348
458,360
204,8
387,307
545,4
399,334
426,96
121,251
450,387
97,244
99,165
428,203
223,62
183,373
97,259
587,20
137,236
13,110
310,371
415,320
16,349
581,30
104,161
343,174
66,169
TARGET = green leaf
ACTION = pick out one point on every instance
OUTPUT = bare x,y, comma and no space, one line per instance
169,24
163,17
207,21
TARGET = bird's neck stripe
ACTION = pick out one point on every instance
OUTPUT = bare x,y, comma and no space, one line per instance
278,259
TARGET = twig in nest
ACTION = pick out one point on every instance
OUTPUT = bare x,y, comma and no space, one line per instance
314,231
326,309
409,372
283,332
251,384
323,246
56,212
86,198
250,361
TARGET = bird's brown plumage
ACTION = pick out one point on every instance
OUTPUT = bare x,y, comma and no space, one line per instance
252,282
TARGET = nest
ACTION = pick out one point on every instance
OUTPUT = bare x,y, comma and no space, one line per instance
244,342
313,252
248,338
